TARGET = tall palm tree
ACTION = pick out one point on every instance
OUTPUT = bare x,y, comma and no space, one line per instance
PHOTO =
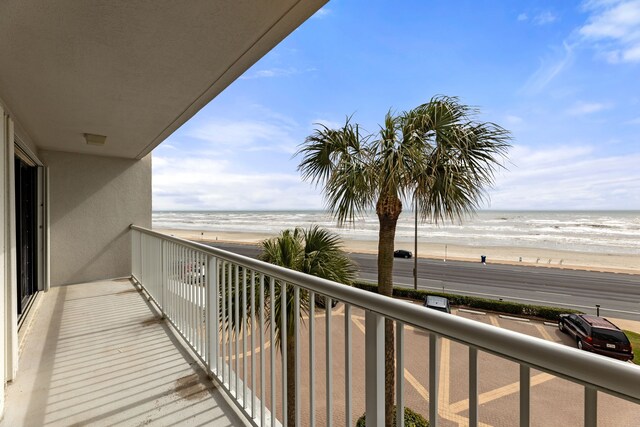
436,153
314,251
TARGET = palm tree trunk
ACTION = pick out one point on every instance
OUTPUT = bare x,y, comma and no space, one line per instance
388,210
291,380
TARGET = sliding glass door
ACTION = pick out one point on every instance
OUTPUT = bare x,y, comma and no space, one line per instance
26,179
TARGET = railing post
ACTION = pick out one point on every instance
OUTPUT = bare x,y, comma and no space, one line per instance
473,387
434,364
312,360
590,407
329,361
399,374
374,367
163,279
212,313
134,257
348,362
142,278
525,394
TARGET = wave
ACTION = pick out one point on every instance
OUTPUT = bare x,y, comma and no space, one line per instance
603,232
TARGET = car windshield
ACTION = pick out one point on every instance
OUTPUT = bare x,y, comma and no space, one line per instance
609,335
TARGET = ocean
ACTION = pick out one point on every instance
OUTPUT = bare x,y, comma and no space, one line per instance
604,232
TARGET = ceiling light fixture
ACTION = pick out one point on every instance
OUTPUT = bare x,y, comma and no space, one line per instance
92,139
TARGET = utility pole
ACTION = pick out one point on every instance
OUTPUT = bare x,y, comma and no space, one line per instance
415,247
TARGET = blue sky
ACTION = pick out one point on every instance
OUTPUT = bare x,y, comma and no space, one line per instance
562,76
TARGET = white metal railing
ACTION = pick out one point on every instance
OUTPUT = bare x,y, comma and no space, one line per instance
203,292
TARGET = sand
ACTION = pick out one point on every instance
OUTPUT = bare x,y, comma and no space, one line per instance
495,254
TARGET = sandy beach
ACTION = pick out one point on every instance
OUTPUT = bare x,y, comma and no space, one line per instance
498,254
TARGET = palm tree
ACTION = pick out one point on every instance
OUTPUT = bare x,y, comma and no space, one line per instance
314,251
435,153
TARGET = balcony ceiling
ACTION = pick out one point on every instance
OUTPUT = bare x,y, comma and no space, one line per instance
133,71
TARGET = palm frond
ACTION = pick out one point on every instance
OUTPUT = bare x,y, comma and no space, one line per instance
340,159
460,160
315,251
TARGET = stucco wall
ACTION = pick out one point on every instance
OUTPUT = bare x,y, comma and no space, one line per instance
93,200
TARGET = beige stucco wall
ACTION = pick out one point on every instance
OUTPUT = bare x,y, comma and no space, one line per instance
93,199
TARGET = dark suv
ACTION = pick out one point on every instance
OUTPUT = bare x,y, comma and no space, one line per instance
596,334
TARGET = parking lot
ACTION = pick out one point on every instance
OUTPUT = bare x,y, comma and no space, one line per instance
553,400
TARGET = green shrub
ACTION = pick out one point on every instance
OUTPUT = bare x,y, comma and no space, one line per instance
508,307
634,338
411,419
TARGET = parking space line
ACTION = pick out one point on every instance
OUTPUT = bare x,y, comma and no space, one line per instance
443,386
451,411
416,384
497,393
407,375
494,320
543,331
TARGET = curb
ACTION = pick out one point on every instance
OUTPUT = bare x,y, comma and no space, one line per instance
464,310
518,319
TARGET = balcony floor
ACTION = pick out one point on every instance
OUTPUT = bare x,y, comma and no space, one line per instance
96,354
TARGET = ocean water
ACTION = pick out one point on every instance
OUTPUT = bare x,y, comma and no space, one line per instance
607,232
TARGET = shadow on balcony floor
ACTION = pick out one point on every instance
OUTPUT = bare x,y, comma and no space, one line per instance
96,354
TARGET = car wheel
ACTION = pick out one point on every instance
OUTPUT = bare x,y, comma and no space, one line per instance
406,256
580,344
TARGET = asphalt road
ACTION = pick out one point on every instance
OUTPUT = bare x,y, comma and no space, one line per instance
618,294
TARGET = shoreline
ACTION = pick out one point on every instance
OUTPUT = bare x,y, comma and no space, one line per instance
536,257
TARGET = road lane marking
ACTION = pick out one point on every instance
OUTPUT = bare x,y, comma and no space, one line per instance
465,292
494,321
553,293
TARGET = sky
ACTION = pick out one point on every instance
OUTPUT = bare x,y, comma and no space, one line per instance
562,76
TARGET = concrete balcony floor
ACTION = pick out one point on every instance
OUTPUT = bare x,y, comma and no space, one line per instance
97,354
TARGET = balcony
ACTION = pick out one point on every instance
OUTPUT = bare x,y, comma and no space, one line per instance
114,352
98,354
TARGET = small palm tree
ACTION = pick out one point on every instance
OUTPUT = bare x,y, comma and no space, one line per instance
435,153
314,251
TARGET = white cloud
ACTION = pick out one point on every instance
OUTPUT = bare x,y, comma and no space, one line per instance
632,54
567,178
544,18
582,108
513,120
614,29
271,72
562,177
549,69
328,123
275,72
199,182
322,13
249,135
